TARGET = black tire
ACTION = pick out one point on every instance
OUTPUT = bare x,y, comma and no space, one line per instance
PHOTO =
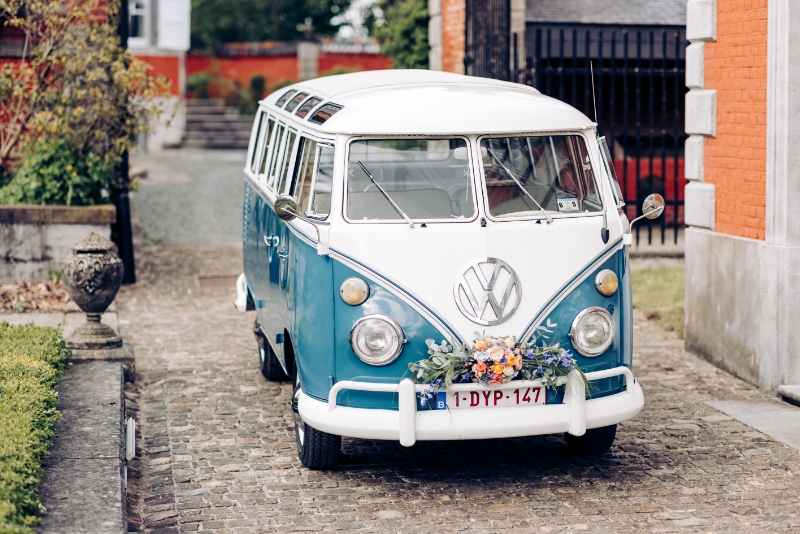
595,442
316,449
268,362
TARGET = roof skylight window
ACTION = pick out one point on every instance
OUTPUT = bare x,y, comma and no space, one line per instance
324,113
307,106
282,100
294,102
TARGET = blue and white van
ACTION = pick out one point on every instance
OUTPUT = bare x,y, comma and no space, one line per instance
386,208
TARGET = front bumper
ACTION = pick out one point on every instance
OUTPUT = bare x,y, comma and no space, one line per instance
409,425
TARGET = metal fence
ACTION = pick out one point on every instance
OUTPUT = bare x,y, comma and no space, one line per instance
488,39
639,82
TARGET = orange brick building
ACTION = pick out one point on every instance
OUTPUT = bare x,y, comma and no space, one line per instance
743,240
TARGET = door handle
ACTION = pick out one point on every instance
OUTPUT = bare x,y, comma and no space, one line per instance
268,240
271,240
283,253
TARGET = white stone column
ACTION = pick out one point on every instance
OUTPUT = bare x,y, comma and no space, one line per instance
435,34
307,60
518,27
701,113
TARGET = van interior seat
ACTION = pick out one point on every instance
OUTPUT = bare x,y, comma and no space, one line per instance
417,204
507,198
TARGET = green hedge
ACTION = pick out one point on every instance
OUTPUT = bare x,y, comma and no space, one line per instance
32,361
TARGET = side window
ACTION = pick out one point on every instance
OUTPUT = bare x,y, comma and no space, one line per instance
304,172
267,151
276,152
291,139
323,182
254,153
619,199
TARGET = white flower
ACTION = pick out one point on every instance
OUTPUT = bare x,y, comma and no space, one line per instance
482,356
508,371
509,342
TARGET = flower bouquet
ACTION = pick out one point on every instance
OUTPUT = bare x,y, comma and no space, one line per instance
492,361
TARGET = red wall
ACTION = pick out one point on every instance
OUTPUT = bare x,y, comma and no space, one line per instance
353,62
166,66
275,69
278,69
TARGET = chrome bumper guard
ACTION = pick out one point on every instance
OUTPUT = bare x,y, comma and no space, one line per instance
407,424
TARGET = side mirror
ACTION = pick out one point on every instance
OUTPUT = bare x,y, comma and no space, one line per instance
286,207
653,206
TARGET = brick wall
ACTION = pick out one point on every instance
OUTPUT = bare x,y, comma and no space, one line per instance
736,160
454,18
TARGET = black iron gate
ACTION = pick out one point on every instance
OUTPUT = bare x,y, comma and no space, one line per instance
639,77
488,38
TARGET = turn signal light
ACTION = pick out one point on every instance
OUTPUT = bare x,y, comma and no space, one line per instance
606,282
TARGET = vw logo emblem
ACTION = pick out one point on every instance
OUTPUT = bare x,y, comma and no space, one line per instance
487,281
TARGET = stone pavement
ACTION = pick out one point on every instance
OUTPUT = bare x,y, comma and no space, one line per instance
216,446
191,196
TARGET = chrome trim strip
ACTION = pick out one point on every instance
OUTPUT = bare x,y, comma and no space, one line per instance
565,290
400,292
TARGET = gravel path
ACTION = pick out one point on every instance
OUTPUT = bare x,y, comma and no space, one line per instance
191,197
217,446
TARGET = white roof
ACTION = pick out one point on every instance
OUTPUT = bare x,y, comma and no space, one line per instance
430,103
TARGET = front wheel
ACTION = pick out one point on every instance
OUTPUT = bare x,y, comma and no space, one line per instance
316,449
595,442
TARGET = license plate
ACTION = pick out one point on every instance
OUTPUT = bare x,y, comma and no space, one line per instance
496,398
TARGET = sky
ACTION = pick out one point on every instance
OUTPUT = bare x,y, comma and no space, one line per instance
352,17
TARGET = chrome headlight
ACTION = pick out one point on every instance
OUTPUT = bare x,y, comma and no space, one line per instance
592,331
377,339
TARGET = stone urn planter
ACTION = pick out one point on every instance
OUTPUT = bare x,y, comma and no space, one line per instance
92,275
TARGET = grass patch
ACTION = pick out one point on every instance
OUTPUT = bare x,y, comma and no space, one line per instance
32,362
658,293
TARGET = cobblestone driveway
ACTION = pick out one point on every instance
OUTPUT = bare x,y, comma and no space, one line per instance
218,453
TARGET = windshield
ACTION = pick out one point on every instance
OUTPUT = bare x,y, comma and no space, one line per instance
426,178
554,170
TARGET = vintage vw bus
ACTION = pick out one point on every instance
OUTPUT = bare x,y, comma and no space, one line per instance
383,209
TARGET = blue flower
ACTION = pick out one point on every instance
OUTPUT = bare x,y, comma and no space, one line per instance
550,359
503,360
529,355
566,363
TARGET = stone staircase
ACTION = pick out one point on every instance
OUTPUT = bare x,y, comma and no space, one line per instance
211,124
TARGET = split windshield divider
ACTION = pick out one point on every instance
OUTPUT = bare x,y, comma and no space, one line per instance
385,194
511,175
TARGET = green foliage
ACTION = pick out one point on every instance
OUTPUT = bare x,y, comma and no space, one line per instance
215,22
74,81
197,85
404,33
258,87
32,360
56,172
659,293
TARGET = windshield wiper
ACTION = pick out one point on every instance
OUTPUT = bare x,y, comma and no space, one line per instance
385,194
547,216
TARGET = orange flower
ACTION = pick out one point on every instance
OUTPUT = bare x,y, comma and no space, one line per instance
518,365
511,360
498,368
481,345
480,368
496,379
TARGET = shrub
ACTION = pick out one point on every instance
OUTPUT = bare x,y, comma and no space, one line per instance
55,172
32,360
197,85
